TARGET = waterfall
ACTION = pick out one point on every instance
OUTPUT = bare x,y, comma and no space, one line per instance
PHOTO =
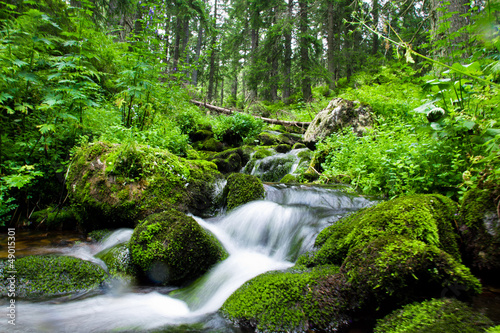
259,236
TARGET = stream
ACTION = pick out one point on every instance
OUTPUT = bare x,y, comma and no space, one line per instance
259,236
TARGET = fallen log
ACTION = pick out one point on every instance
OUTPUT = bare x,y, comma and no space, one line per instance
300,124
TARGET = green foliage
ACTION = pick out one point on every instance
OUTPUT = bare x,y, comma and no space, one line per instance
237,128
394,160
172,248
48,276
435,315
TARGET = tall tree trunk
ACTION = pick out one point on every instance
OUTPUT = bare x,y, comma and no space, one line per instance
234,89
177,44
211,74
194,77
331,45
254,34
222,91
288,55
375,16
304,50
449,40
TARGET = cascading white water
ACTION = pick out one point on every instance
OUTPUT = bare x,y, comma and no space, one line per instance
260,236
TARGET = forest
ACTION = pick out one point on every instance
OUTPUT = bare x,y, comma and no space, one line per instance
125,71
158,171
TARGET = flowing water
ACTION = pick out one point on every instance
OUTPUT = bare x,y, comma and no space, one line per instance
260,236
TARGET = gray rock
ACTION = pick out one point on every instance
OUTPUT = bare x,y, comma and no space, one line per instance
339,114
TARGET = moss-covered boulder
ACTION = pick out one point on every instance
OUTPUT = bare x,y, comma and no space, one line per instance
117,260
242,188
427,218
292,301
394,270
443,315
283,148
231,160
480,230
53,218
210,144
289,179
172,248
113,185
50,276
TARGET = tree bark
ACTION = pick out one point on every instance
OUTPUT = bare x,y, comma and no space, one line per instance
288,55
194,77
304,50
331,45
211,74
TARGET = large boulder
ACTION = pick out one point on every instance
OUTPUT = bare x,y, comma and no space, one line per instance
425,217
114,185
339,114
172,248
480,230
242,188
50,276
397,252
291,301
443,315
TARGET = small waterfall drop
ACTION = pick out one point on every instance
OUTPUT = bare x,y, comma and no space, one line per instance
259,236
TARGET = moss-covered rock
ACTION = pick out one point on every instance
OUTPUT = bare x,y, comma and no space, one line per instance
53,218
50,276
437,315
283,148
395,270
480,230
115,185
117,259
242,188
292,301
289,179
495,329
427,218
172,248
210,144
268,139
231,160
98,235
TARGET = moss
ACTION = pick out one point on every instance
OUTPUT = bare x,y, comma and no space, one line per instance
436,315
242,188
495,329
480,231
98,235
281,302
396,270
299,145
117,259
49,276
231,160
283,148
268,139
127,182
53,218
271,169
428,218
289,179
171,248
210,144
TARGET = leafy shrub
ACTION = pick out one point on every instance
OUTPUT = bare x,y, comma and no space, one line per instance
239,127
394,160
